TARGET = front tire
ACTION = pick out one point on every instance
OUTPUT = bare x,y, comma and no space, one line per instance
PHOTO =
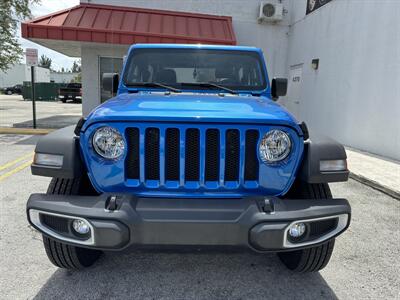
69,257
315,258
64,255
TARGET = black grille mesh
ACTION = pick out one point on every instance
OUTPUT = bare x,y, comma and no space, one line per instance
132,161
172,154
251,160
212,155
56,223
322,227
192,155
232,155
152,154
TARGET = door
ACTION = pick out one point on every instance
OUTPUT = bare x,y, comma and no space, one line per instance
294,89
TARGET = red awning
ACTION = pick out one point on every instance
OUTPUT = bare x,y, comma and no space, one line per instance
127,25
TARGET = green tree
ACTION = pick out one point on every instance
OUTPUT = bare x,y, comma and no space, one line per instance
45,62
11,13
77,78
76,66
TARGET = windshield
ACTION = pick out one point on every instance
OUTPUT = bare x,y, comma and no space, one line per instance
190,69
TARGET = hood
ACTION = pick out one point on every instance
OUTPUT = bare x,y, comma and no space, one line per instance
191,107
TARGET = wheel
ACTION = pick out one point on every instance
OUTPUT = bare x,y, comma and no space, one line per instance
64,101
315,258
9,93
60,254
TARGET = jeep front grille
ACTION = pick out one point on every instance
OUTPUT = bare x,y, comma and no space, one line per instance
192,157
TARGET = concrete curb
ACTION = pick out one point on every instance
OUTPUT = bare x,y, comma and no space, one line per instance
375,185
28,131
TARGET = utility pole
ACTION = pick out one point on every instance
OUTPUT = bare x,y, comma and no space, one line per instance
31,55
33,95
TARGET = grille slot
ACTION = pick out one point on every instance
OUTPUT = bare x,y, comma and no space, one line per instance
192,155
232,155
132,161
152,154
172,154
56,223
319,228
212,155
251,161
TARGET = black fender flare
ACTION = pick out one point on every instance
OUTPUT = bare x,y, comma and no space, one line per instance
60,142
317,148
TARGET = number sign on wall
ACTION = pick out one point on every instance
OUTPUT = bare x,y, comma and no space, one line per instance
315,4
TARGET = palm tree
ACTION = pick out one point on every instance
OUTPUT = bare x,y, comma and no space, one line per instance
45,61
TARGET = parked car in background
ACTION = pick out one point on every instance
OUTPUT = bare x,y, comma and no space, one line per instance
73,91
16,89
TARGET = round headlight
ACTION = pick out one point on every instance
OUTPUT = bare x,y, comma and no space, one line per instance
275,146
108,143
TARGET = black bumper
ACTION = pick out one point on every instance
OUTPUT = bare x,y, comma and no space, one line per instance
244,222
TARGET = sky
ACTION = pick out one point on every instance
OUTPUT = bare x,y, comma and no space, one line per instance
46,7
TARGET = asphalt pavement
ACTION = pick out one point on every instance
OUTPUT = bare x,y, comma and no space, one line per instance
15,112
365,262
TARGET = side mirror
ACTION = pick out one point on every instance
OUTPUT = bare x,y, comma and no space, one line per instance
278,87
110,82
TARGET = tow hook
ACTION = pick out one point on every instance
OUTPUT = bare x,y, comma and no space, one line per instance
111,203
268,206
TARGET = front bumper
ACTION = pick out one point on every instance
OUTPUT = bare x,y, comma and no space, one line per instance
261,223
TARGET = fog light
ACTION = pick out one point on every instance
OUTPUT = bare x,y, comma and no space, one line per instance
297,230
80,226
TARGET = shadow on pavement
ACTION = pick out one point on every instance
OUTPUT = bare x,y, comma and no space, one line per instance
29,141
173,275
53,122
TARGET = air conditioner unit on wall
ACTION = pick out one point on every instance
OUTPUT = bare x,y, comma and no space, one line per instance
270,12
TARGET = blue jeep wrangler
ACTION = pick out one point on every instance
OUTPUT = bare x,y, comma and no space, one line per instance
192,152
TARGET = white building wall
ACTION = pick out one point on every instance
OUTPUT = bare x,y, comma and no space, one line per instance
19,73
41,74
354,96
62,77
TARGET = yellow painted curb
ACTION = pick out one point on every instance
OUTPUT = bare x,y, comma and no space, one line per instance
14,162
30,131
16,170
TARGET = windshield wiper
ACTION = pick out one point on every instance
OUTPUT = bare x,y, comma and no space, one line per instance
153,84
209,84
